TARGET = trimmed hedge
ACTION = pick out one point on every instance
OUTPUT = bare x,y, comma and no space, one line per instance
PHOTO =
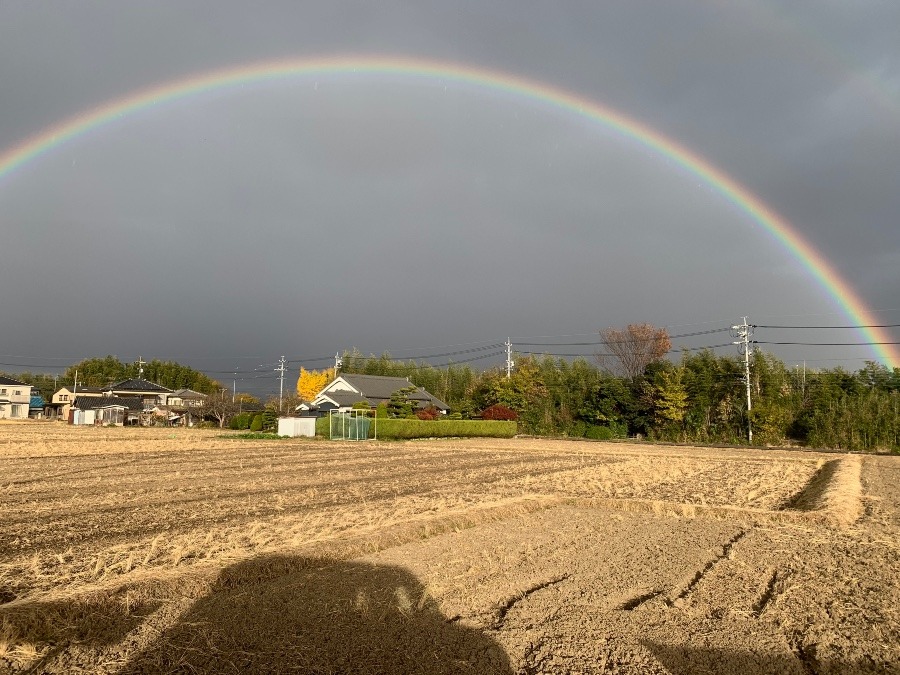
391,429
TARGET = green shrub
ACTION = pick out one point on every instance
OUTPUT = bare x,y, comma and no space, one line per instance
241,421
577,429
381,410
454,416
599,433
392,429
257,423
402,428
269,420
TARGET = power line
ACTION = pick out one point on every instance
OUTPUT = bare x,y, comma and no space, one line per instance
825,344
887,325
428,356
629,339
671,351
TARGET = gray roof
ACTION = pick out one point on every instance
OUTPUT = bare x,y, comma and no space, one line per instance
12,382
378,388
86,390
346,398
94,402
137,384
188,393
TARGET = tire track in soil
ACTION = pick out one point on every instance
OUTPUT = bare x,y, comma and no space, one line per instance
638,600
768,595
504,607
706,569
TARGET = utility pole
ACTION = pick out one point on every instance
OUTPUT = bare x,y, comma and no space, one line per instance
509,362
280,369
742,332
141,363
338,362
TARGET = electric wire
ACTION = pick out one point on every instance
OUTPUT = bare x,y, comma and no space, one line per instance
886,325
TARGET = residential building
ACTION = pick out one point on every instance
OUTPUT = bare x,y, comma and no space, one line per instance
150,393
186,398
62,400
106,410
15,398
345,390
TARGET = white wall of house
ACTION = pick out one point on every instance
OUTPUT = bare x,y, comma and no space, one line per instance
14,401
339,385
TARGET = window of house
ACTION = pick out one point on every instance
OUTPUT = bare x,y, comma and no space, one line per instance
17,411
18,392
2,391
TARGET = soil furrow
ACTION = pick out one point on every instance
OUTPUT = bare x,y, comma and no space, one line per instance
701,573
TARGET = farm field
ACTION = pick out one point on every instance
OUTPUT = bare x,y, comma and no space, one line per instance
164,550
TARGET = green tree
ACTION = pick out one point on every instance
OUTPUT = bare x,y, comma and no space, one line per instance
668,400
399,404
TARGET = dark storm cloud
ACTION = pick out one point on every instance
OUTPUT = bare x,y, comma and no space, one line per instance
302,217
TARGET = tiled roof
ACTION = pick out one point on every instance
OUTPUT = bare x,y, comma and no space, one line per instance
12,382
378,388
137,384
94,402
345,398
86,390
188,393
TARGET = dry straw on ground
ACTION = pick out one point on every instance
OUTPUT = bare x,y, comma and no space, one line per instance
110,535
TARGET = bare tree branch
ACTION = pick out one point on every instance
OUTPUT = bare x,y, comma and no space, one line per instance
631,350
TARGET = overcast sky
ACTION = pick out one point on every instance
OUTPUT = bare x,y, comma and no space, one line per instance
308,215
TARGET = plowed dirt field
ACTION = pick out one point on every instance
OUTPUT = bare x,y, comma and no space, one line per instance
159,550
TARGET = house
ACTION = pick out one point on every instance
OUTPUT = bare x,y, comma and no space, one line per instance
106,410
150,393
345,390
186,398
62,400
183,407
15,398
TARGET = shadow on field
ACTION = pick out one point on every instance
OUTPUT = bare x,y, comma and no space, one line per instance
310,615
685,660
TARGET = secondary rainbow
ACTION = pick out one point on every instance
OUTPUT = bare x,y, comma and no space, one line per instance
67,130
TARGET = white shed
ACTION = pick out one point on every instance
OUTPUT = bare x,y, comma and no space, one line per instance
297,426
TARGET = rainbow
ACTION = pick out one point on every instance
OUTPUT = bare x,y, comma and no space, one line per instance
820,269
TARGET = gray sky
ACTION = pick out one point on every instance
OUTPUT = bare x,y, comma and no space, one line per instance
308,215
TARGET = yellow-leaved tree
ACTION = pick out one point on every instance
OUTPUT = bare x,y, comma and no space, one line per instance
311,382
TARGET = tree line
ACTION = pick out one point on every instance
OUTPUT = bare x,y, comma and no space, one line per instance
632,390
699,397
103,371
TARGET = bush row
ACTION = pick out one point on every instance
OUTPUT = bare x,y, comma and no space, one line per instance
404,428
